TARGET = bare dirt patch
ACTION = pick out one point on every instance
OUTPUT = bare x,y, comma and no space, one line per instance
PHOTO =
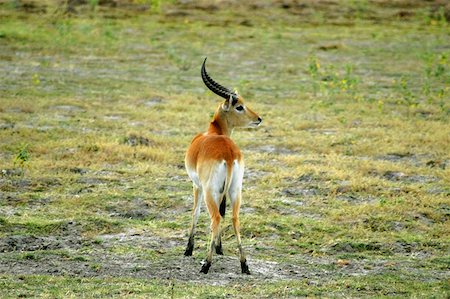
32,243
38,256
100,261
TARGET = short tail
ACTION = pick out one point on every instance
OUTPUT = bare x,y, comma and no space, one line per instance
223,206
226,187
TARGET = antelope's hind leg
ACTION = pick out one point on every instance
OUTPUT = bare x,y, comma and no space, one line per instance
235,197
215,223
236,225
218,244
195,214
222,208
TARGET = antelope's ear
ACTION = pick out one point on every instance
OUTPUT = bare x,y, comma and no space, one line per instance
228,103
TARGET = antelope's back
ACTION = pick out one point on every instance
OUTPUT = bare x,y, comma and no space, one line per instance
207,149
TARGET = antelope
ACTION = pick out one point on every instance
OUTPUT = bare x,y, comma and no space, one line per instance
215,165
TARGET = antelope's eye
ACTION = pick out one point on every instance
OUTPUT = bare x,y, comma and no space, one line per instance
239,108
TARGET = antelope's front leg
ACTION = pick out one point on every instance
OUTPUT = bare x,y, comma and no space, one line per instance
195,215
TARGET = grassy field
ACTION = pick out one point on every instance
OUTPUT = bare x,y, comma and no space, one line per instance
347,186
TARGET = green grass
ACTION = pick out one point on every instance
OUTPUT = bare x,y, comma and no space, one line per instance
346,192
380,286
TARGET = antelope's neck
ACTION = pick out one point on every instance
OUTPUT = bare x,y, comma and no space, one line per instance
219,126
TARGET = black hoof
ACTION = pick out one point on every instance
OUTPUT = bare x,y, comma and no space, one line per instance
219,250
188,251
205,267
189,247
244,268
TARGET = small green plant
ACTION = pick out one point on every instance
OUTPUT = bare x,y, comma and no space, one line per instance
408,98
351,80
380,106
442,63
93,4
360,8
314,72
36,79
29,256
435,68
22,157
435,65
329,80
96,267
155,5
438,17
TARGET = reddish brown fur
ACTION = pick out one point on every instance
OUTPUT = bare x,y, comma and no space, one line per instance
206,149
203,161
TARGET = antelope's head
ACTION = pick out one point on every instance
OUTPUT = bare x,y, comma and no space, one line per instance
233,109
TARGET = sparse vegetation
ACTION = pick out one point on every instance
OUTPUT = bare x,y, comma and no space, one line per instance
346,192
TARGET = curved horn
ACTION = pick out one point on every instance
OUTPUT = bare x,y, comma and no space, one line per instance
214,86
